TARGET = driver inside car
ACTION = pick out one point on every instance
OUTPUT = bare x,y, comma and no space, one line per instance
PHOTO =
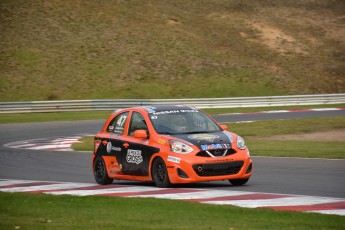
178,124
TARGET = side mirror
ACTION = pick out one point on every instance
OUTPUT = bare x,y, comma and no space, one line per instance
224,127
140,134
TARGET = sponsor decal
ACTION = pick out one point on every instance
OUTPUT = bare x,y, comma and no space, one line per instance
114,135
161,141
118,149
215,146
174,159
154,117
203,137
221,160
111,147
134,156
176,111
166,112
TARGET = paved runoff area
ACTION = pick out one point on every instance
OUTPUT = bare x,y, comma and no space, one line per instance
323,205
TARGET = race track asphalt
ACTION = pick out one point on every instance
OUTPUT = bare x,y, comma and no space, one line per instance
313,177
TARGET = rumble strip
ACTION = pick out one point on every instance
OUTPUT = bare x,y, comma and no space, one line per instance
323,205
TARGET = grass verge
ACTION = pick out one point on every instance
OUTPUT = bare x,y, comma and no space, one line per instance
292,148
45,117
266,128
304,149
86,144
39,211
92,115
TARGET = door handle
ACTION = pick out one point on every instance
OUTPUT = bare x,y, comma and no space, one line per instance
125,145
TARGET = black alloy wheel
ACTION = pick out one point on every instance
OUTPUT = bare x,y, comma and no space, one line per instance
100,171
160,173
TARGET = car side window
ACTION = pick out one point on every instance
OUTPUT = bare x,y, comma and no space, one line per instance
137,122
117,125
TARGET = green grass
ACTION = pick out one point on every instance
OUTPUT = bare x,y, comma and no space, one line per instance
86,144
28,211
305,149
44,117
169,49
267,128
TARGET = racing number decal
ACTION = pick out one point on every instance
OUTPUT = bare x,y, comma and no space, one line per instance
117,125
121,121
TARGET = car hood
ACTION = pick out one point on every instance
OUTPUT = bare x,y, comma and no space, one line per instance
206,141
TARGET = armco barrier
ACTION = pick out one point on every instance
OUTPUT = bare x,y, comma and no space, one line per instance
231,102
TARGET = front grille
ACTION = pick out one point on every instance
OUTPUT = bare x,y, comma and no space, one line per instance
216,153
218,169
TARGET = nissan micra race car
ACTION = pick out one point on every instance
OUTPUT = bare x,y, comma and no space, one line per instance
168,144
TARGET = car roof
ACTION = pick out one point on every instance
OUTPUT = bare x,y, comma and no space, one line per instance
159,108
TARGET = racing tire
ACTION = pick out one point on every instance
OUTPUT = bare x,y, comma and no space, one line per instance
238,182
100,171
160,173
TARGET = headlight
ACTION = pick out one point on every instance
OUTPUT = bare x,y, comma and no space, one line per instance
240,143
179,147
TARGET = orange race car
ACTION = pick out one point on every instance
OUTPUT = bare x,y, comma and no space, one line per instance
168,144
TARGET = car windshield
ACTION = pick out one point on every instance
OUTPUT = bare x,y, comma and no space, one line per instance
191,121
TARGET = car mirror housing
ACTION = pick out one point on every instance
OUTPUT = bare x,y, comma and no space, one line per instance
224,127
140,134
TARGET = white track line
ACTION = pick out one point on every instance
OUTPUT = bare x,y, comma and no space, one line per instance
208,196
198,195
339,212
105,191
286,201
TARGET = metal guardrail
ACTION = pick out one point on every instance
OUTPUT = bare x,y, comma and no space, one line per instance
232,102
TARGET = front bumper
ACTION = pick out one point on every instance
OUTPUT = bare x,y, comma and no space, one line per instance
188,170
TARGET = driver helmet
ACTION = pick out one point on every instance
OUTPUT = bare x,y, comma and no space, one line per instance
179,123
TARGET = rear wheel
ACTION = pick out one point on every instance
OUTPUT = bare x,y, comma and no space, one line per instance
160,173
238,182
100,171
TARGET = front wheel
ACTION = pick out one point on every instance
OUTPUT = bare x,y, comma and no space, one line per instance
160,174
238,182
100,171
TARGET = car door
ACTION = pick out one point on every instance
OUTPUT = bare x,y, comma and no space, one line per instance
138,152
